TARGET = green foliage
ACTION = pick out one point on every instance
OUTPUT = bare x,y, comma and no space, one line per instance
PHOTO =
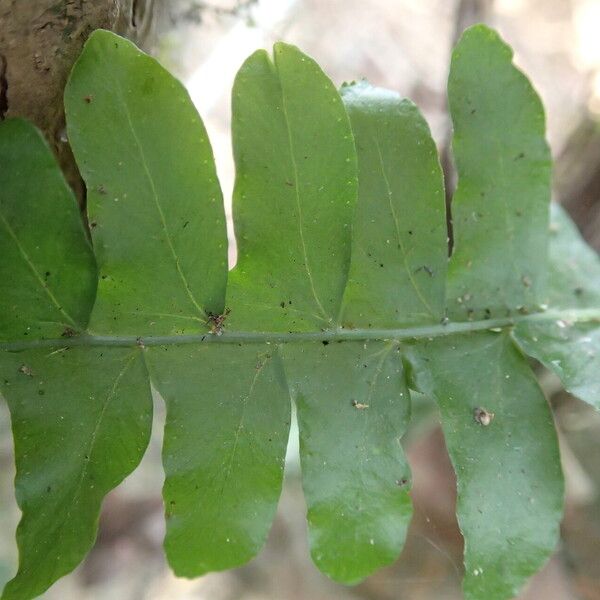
353,408
564,345
510,495
340,301
228,420
81,422
399,254
294,195
500,208
123,118
48,281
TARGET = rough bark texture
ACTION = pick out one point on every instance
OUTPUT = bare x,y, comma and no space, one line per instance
40,40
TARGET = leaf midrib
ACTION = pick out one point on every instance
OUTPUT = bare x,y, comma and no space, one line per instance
590,315
390,196
71,501
158,205
325,317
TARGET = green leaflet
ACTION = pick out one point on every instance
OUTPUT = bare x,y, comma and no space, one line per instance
574,267
47,283
570,349
228,419
294,195
305,287
500,208
127,131
81,420
353,407
510,486
399,247
154,202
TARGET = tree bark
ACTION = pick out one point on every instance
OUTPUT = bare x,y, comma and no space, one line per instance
39,42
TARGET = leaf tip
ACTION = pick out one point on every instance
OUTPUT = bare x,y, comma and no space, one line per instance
478,36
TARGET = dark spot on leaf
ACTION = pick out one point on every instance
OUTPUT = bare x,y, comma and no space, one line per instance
282,304
41,392
578,291
185,224
520,155
401,482
88,99
325,343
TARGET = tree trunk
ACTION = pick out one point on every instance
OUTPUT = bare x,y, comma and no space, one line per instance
39,42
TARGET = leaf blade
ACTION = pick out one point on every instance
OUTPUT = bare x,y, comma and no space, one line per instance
399,237
220,502
294,194
47,282
510,485
70,454
500,207
146,159
569,349
352,410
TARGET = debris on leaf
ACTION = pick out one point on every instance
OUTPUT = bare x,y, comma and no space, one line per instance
216,322
483,416
359,405
25,370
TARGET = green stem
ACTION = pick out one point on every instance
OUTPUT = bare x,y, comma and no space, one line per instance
335,335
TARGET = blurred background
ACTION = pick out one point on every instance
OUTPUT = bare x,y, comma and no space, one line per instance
403,45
